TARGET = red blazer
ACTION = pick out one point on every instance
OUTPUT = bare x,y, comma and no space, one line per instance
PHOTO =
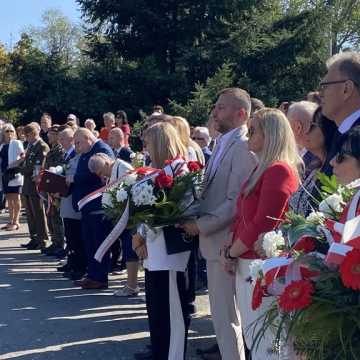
269,198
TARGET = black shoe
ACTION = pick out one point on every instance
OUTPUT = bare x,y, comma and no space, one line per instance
64,268
48,250
36,247
211,350
146,355
30,243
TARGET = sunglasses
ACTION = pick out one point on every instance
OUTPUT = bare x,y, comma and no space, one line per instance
341,156
198,138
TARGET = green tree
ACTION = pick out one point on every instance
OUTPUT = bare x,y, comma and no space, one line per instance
57,36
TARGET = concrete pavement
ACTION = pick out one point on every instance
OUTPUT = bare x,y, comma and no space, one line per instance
43,316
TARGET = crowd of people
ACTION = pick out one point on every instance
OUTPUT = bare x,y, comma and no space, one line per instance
259,163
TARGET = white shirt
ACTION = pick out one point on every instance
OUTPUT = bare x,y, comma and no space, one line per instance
158,258
221,143
119,169
346,125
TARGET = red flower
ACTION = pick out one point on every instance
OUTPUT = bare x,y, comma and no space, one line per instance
163,180
144,170
257,296
350,270
194,166
305,244
297,295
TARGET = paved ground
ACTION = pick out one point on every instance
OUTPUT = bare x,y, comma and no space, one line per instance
43,316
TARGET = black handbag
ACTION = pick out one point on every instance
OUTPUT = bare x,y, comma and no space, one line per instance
176,240
10,173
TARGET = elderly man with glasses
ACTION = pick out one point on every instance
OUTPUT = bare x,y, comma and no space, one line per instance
340,96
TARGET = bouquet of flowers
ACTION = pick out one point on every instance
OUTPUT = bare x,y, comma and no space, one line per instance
315,285
156,197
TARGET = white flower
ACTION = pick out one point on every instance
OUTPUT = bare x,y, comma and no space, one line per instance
272,243
140,156
129,179
121,195
106,200
316,217
256,269
143,194
132,156
332,203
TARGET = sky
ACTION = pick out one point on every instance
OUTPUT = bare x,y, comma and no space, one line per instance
17,14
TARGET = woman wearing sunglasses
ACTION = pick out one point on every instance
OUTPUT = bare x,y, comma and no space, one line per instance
318,141
11,152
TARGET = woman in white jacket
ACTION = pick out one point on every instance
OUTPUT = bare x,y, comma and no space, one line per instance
11,151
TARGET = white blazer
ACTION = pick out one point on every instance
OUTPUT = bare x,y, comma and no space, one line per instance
15,149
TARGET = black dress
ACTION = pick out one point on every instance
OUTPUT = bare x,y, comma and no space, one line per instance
4,165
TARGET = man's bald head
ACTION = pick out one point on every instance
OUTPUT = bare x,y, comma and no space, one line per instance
84,139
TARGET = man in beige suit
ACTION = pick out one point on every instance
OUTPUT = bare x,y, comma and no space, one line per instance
229,166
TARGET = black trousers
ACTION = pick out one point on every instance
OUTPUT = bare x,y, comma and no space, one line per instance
75,244
169,320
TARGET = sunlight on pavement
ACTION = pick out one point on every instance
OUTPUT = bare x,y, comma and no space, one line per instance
60,347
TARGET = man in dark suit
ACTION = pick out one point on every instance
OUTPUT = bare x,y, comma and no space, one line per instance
95,227
116,141
340,96
30,168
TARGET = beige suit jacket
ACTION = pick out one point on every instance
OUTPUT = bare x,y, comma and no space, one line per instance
221,189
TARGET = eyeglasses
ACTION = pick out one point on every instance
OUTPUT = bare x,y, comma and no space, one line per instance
197,138
341,156
313,125
323,85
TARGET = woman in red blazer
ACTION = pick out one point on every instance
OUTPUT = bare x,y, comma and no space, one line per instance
261,203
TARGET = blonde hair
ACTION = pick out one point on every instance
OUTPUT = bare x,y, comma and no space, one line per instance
163,143
183,129
279,144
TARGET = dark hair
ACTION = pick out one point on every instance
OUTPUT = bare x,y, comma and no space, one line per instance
256,104
158,108
122,114
351,142
327,127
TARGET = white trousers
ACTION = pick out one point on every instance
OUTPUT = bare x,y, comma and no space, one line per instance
244,290
224,311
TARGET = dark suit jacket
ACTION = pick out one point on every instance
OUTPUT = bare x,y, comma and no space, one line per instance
338,137
35,157
124,154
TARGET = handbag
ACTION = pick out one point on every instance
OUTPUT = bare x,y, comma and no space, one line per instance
176,240
10,174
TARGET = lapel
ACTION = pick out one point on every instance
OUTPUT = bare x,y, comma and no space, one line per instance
210,174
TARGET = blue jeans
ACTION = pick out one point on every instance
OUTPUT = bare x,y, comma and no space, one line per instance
95,229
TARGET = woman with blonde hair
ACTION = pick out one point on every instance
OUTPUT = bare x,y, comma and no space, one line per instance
165,283
261,203
183,128
11,153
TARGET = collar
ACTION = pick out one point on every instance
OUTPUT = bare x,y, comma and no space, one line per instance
347,124
224,138
69,151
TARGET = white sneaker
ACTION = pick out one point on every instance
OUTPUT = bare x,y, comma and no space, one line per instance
127,291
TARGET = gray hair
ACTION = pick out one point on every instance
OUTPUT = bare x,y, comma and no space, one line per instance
98,161
88,121
68,131
348,64
109,115
204,131
302,111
